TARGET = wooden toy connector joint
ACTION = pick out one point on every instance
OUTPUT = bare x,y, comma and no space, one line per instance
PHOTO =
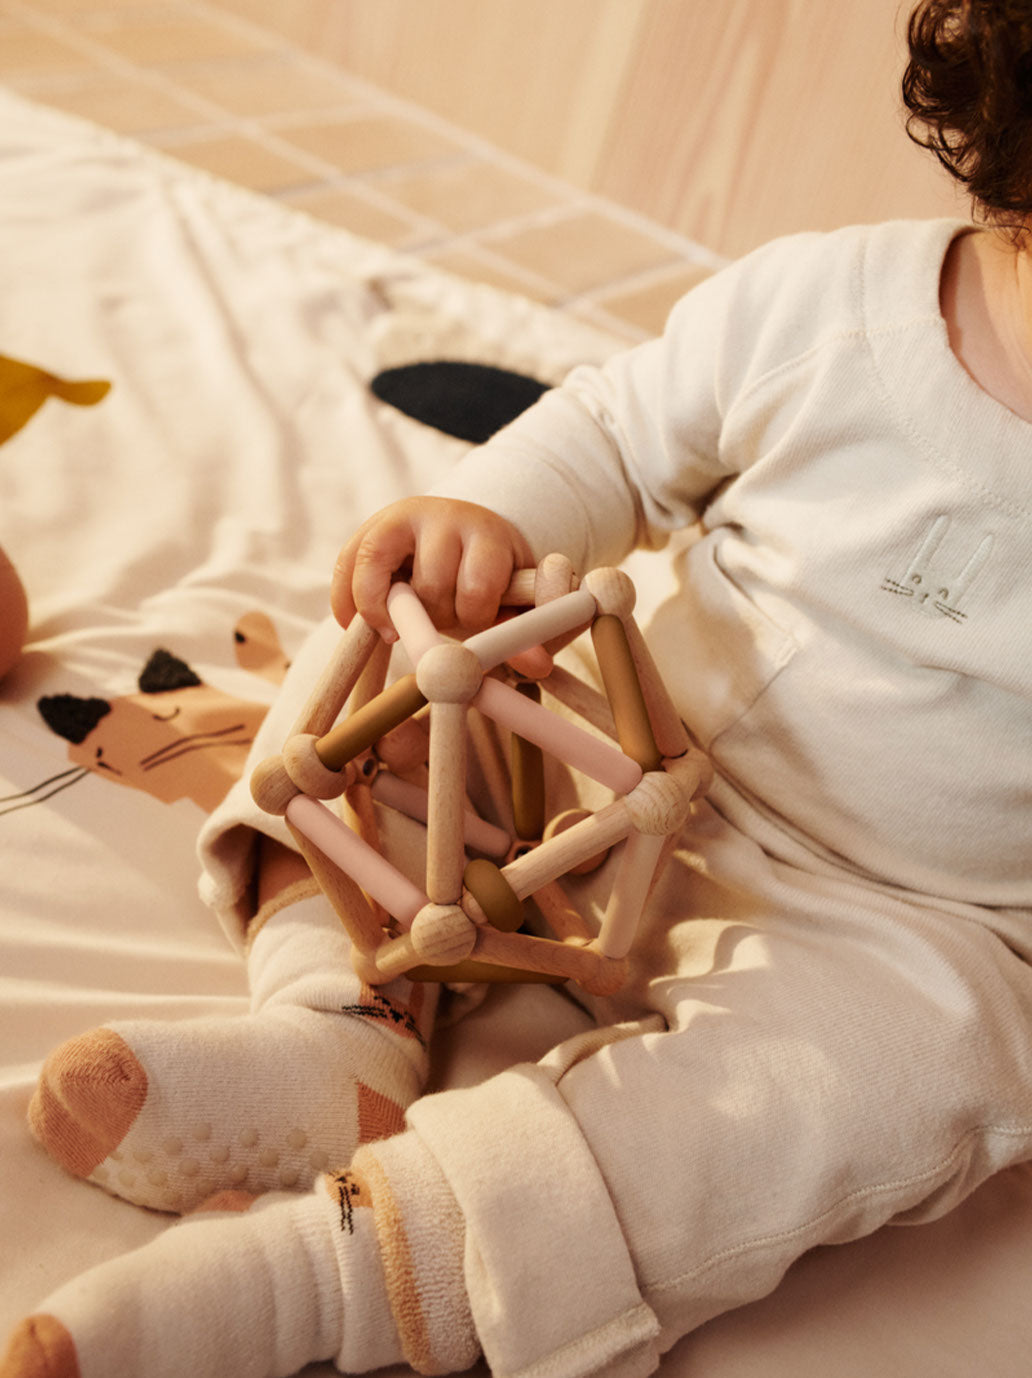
405,746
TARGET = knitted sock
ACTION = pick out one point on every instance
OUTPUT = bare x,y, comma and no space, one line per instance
259,1294
164,1114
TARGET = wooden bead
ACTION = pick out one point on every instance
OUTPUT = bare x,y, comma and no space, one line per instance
271,787
660,803
301,762
442,933
693,771
407,746
612,590
448,673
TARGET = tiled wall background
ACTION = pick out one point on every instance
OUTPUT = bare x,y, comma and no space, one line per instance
730,121
237,98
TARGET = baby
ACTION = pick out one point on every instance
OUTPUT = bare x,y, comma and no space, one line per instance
828,1020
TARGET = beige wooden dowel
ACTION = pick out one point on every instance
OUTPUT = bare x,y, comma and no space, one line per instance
346,897
553,578
520,593
532,628
489,761
412,800
580,698
271,787
562,918
336,682
359,800
634,878
570,960
394,957
554,858
373,677
445,856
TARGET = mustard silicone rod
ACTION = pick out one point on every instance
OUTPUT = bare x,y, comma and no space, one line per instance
365,727
623,689
527,768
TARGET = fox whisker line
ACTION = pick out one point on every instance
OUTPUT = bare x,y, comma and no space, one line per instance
174,747
28,797
201,742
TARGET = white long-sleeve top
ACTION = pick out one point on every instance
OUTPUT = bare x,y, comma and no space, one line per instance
852,639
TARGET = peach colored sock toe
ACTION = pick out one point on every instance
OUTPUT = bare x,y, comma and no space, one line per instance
90,1091
40,1348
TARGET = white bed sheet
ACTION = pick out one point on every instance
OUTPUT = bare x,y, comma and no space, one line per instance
213,481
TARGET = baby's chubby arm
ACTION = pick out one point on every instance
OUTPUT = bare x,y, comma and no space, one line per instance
458,557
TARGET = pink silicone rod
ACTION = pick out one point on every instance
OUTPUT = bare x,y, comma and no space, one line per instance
365,866
412,800
562,739
411,621
509,638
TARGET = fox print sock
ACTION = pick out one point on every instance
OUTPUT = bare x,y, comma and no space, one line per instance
163,1113
259,1289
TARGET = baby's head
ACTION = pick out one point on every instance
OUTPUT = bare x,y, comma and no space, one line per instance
14,615
968,87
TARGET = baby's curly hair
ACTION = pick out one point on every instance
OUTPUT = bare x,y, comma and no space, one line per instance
968,88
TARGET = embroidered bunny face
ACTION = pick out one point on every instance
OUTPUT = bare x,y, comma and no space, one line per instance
936,585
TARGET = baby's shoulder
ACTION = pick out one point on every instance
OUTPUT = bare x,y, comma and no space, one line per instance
795,294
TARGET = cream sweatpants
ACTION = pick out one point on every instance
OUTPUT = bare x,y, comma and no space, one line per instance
811,1059
800,1056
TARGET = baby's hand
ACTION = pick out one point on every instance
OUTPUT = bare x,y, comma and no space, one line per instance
458,557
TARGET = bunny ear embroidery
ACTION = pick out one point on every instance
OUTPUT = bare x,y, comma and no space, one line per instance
935,588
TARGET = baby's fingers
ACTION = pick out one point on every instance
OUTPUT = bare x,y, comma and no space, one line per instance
435,570
365,569
485,571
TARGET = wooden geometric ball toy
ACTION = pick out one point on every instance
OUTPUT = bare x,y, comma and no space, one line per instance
405,745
